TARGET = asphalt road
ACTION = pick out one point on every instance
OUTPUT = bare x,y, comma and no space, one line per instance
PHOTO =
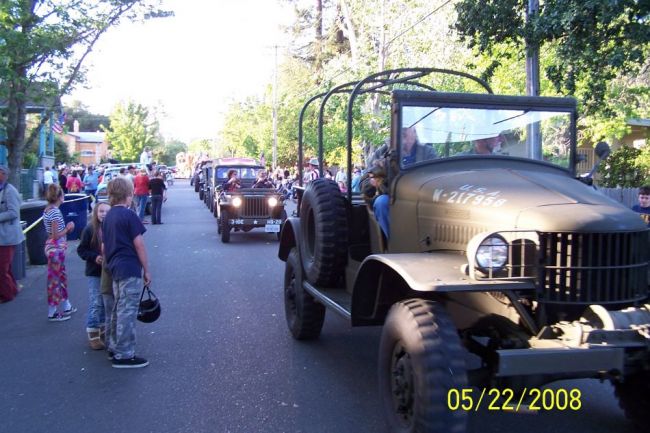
221,358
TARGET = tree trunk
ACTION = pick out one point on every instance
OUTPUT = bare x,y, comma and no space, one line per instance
350,33
16,126
318,54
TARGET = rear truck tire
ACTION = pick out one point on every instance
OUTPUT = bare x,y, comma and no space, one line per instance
211,205
304,315
420,360
196,185
215,213
283,217
324,233
634,398
225,226
201,194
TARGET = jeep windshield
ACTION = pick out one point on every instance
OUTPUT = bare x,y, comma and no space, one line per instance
435,132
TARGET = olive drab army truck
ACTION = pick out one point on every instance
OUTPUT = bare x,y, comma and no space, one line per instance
503,268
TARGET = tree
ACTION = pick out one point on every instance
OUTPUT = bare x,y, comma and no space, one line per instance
87,121
132,128
592,42
44,45
167,153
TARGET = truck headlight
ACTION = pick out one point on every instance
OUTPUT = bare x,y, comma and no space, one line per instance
492,254
273,201
236,201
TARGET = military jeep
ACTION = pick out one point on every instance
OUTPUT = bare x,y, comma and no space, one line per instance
502,269
245,208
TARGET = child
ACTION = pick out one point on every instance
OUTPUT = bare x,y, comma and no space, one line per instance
644,204
55,247
90,250
126,259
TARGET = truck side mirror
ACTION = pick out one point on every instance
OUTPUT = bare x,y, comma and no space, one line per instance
602,151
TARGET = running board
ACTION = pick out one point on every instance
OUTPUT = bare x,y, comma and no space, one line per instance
338,305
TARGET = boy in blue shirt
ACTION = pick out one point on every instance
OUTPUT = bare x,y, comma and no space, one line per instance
126,258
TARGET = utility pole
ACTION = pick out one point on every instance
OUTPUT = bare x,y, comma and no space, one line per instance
275,110
532,81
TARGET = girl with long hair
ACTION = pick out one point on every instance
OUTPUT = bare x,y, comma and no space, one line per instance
90,250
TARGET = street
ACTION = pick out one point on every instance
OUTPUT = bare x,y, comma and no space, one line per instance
221,357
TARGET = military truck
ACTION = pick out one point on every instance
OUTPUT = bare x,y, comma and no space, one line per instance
503,269
245,208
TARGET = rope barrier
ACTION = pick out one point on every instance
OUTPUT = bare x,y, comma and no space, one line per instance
38,221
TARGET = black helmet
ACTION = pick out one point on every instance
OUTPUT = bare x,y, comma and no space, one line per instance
149,309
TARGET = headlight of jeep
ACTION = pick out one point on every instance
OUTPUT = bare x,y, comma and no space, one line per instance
492,254
236,201
273,201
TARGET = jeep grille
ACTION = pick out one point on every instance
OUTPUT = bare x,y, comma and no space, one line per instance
254,207
583,268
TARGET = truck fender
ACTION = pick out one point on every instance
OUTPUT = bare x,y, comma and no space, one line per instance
290,232
383,279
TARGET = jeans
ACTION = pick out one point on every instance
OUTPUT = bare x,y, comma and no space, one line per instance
380,208
127,300
156,208
142,205
96,313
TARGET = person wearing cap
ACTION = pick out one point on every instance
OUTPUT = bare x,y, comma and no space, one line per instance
312,173
11,234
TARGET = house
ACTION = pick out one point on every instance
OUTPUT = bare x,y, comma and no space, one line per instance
91,146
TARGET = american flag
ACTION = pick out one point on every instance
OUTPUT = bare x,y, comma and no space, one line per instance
58,124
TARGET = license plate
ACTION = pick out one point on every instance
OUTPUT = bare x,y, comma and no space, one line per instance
237,222
272,228
273,222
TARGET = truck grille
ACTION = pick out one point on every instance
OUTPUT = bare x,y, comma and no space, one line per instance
583,268
255,207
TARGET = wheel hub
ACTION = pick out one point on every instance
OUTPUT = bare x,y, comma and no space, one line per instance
402,386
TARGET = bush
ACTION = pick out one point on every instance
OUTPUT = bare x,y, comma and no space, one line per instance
622,169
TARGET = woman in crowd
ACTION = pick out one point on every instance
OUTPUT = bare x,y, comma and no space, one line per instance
55,247
158,196
73,183
90,250
141,192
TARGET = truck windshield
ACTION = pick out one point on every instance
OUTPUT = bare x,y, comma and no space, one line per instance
448,132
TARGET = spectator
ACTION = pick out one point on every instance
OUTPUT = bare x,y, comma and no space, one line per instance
342,186
73,184
356,180
90,250
48,178
63,180
341,175
11,235
91,180
55,247
643,208
126,259
141,191
158,196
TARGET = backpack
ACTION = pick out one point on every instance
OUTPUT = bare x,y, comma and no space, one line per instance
74,187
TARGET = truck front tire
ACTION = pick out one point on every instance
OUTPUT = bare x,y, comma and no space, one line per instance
304,315
420,361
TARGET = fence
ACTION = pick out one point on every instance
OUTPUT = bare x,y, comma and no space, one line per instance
627,196
27,177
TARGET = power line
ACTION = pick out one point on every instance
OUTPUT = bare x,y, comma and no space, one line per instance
418,22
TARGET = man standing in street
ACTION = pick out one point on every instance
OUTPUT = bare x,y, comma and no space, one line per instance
11,235
90,182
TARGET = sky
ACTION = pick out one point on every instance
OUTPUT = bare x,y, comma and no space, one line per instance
190,66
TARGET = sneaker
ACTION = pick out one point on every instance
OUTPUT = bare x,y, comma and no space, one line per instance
70,311
134,362
58,317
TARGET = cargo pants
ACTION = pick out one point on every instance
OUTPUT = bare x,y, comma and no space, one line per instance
123,316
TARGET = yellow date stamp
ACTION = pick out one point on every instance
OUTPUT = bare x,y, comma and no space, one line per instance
506,399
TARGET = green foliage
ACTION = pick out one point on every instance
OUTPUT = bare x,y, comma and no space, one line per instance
593,42
61,153
87,121
132,128
167,153
625,168
200,146
43,47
